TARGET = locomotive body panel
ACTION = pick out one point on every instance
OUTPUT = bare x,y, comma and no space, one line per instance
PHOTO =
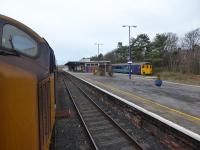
18,109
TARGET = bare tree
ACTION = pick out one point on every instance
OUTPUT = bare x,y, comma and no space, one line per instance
171,50
191,44
110,56
191,39
171,42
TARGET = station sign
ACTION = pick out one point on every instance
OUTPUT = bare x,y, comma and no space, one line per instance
130,62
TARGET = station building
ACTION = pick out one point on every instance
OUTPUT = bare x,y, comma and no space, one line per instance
86,65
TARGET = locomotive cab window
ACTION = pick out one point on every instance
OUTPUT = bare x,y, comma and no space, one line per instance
14,38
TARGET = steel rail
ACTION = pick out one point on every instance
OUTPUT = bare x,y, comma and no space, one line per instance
135,143
80,116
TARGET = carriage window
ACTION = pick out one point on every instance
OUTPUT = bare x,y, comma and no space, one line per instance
14,38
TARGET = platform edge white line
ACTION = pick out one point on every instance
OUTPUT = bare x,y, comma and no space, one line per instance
163,120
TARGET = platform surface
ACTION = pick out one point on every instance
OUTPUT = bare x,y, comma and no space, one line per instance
178,103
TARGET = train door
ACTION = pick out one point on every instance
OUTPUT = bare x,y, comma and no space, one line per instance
142,69
136,69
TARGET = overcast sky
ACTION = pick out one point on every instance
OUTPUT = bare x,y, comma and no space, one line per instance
73,26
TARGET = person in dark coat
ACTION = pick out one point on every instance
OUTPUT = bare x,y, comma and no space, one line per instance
158,81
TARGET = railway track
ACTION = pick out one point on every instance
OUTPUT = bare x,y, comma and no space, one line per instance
104,132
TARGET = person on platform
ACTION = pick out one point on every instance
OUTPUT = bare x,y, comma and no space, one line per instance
158,81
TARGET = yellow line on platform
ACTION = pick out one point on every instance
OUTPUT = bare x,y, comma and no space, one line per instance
136,97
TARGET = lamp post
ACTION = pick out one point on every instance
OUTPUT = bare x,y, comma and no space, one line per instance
98,44
129,59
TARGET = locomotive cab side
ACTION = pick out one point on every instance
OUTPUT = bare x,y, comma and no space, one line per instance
27,65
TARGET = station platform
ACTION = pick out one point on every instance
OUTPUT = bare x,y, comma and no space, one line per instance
178,103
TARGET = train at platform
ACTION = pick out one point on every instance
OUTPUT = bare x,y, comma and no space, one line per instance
27,88
141,68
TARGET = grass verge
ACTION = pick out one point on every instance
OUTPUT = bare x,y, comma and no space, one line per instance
180,78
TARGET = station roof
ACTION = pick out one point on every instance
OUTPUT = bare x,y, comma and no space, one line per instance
74,63
85,62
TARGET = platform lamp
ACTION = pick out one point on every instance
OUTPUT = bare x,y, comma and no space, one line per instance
129,58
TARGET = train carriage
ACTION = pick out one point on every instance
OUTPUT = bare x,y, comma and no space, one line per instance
141,68
27,65
120,68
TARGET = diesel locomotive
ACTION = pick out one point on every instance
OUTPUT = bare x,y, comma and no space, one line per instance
27,88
